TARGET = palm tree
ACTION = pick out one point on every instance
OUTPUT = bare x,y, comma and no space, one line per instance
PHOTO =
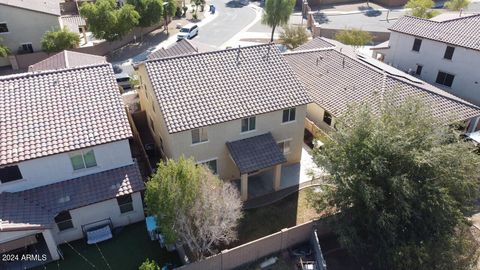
277,12
457,5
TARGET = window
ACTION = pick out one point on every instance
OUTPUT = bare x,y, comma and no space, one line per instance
419,70
248,124
64,220
3,28
125,203
284,146
199,135
449,52
212,164
445,78
83,159
327,118
416,45
10,173
27,47
288,115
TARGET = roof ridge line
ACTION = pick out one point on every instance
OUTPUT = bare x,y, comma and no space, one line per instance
43,72
310,50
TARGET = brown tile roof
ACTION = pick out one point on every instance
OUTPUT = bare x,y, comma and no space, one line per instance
67,59
315,43
37,207
336,80
58,111
181,47
463,31
44,6
210,88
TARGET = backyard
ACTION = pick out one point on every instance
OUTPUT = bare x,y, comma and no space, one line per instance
125,251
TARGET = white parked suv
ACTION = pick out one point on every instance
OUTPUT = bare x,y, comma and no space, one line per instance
188,31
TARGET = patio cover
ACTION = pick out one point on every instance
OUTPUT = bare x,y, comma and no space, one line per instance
256,153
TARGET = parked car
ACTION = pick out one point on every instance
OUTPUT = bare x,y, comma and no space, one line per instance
188,31
123,80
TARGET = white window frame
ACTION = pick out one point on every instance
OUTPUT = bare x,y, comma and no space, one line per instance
208,160
248,124
202,139
289,140
82,153
289,114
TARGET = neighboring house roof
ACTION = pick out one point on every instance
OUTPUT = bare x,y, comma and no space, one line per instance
210,88
315,43
73,22
58,111
36,208
44,6
463,31
336,80
256,153
67,59
181,47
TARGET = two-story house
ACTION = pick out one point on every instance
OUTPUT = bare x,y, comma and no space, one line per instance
444,51
336,78
240,111
66,169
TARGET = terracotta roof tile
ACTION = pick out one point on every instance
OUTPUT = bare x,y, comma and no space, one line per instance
181,47
67,59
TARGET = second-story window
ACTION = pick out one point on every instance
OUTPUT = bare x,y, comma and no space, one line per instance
10,173
83,159
199,135
248,124
416,45
64,221
125,203
288,115
3,28
445,78
449,52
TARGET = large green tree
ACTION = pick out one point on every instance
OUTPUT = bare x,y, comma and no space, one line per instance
457,5
107,21
401,184
193,206
354,37
421,8
59,40
169,10
277,12
150,11
293,36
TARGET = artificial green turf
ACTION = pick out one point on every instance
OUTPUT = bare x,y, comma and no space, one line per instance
125,251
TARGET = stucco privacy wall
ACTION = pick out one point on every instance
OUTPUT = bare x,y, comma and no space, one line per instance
56,168
388,3
465,64
25,26
180,143
96,212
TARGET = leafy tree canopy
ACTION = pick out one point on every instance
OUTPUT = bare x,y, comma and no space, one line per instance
421,8
150,11
277,12
4,50
354,37
59,40
293,36
149,265
107,21
193,206
401,183
457,5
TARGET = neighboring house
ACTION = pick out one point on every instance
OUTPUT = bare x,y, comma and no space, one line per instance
337,78
178,48
444,51
240,111
23,23
67,59
65,160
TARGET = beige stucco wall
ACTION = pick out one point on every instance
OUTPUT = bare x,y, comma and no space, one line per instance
25,26
180,143
315,114
99,211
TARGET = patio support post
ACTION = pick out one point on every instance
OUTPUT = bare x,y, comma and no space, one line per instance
277,175
244,186
52,246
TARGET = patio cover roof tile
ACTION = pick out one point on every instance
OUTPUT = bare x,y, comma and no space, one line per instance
256,153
